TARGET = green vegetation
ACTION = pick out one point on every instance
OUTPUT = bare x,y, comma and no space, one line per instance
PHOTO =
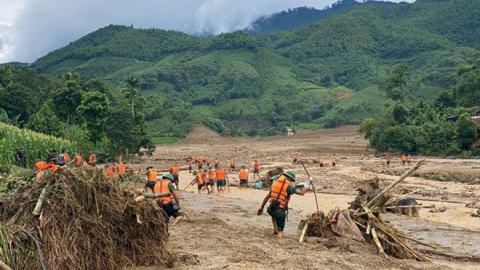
239,84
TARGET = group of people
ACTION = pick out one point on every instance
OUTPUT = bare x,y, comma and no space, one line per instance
320,161
406,159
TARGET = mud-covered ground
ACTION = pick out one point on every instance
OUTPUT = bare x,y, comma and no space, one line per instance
225,233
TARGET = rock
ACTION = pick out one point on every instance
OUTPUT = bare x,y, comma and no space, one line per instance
333,242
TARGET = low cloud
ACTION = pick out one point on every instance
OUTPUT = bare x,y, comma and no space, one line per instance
32,28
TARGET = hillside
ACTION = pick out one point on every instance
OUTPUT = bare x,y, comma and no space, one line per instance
237,83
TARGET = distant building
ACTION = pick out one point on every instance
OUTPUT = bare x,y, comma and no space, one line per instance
289,132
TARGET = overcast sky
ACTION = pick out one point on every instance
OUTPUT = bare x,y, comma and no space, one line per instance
30,29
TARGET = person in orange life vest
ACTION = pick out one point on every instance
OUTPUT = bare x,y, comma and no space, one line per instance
243,176
232,165
220,177
279,196
78,160
122,170
50,166
216,163
199,181
151,174
175,170
109,168
295,159
84,164
66,156
190,163
200,163
388,161
211,180
404,159
92,159
169,204
320,162
409,159
256,169
334,162
39,165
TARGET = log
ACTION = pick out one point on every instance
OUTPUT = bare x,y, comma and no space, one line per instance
38,207
392,185
304,230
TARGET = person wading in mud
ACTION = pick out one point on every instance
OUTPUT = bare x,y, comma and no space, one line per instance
243,176
232,165
151,178
169,204
279,196
389,159
211,180
409,160
404,159
256,169
220,179
175,170
320,162
199,181
295,159
334,162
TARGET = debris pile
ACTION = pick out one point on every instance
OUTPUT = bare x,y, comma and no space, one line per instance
363,222
80,219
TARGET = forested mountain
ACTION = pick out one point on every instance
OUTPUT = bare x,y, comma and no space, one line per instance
298,17
258,84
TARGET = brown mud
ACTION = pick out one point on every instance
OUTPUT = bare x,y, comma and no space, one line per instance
224,231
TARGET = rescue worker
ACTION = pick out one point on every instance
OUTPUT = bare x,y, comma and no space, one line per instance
389,159
199,181
404,159
295,159
409,160
92,159
334,162
122,171
190,166
243,176
211,180
151,174
200,164
61,159
220,177
278,198
175,170
320,162
66,156
256,169
232,165
39,165
170,204
50,166
78,160
216,163
109,168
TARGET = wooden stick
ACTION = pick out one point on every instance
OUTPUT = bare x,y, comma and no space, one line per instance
156,195
38,206
377,242
313,187
392,185
304,230
407,206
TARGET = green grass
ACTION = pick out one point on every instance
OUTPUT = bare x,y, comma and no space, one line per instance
165,140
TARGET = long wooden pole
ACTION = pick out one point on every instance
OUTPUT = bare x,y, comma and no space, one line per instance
313,187
392,185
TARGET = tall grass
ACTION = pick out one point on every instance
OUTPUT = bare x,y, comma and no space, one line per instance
36,145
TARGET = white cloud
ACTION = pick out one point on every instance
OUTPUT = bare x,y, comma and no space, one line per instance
30,28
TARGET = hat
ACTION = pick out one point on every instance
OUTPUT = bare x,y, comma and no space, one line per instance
168,176
243,166
290,175
195,172
209,167
149,167
205,170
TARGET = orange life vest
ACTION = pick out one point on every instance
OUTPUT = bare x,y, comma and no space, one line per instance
39,165
243,175
200,162
257,165
295,157
199,179
78,160
389,159
232,163
409,158
211,174
216,162
334,160
152,175
404,158
320,161
279,189
175,169
91,159
110,171
220,173
84,164
123,169
161,187
66,157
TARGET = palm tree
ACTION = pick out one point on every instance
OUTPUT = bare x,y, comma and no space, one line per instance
131,91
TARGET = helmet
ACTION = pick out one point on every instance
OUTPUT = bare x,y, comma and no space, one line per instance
195,172
209,167
290,175
149,167
168,176
205,170
243,166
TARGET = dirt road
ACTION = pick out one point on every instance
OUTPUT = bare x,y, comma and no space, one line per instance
225,233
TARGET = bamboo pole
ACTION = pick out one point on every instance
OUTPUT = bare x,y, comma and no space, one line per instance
4,266
392,185
313,187
38,207
377,242
304,230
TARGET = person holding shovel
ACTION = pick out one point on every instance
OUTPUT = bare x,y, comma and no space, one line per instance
169,204
279,196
